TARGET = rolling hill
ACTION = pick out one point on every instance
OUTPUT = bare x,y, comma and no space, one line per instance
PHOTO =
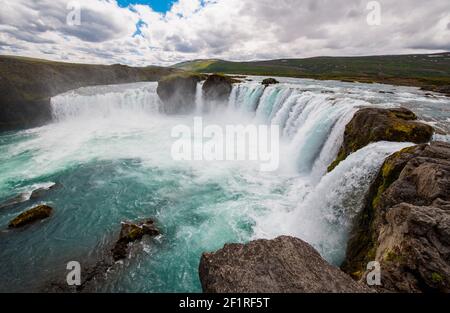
429,71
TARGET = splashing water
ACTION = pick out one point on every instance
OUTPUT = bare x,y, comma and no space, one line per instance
109,151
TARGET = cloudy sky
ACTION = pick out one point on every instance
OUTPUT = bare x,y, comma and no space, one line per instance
143,32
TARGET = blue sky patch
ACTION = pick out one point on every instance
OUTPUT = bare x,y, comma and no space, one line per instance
157,5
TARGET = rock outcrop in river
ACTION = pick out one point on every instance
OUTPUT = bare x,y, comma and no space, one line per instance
177,92
377,124
131,232
217,87
282,265
405,224
30,216
28,84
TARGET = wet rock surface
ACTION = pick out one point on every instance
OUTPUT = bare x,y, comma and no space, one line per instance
131,232
405,224
217,88
30,216
270,81
282,265
177,92
375,124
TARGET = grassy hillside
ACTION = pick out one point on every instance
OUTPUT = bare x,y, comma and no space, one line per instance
432,72
27,84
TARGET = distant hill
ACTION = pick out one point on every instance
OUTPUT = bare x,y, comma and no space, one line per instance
430,71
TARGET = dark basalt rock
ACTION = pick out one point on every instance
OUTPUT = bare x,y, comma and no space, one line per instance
270,81
13,201
37,213
24,197
376,124
177,92
405,223
282,265
217,88
131,232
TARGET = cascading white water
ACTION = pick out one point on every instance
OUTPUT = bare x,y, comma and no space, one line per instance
313,123
104,101
109,151
199,103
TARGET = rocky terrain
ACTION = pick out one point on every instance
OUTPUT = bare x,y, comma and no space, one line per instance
282,265
376,124
405,224
178,92
27,84
217,87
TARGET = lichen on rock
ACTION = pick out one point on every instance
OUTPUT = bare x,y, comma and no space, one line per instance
376,124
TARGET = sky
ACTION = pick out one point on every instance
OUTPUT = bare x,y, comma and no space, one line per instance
146,32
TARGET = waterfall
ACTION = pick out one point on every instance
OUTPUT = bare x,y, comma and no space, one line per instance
104,101
312,122
199,103
333,204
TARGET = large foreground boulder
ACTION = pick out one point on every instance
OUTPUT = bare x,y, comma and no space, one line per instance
376,124
28,217
282,265
405,224
217,88
177,92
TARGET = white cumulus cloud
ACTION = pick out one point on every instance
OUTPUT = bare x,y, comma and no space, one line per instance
228,29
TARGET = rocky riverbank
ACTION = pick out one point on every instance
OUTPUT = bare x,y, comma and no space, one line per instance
404,225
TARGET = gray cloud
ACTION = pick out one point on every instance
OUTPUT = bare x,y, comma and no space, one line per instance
229,29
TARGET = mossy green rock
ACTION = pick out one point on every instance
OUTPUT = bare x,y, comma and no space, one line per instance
376,124
35,214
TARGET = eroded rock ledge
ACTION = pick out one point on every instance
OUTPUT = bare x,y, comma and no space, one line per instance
376,124
282,265
405,224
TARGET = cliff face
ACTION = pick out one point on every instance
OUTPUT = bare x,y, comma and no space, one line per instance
27,85
405,224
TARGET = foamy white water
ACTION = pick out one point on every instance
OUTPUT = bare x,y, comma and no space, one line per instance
109,148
